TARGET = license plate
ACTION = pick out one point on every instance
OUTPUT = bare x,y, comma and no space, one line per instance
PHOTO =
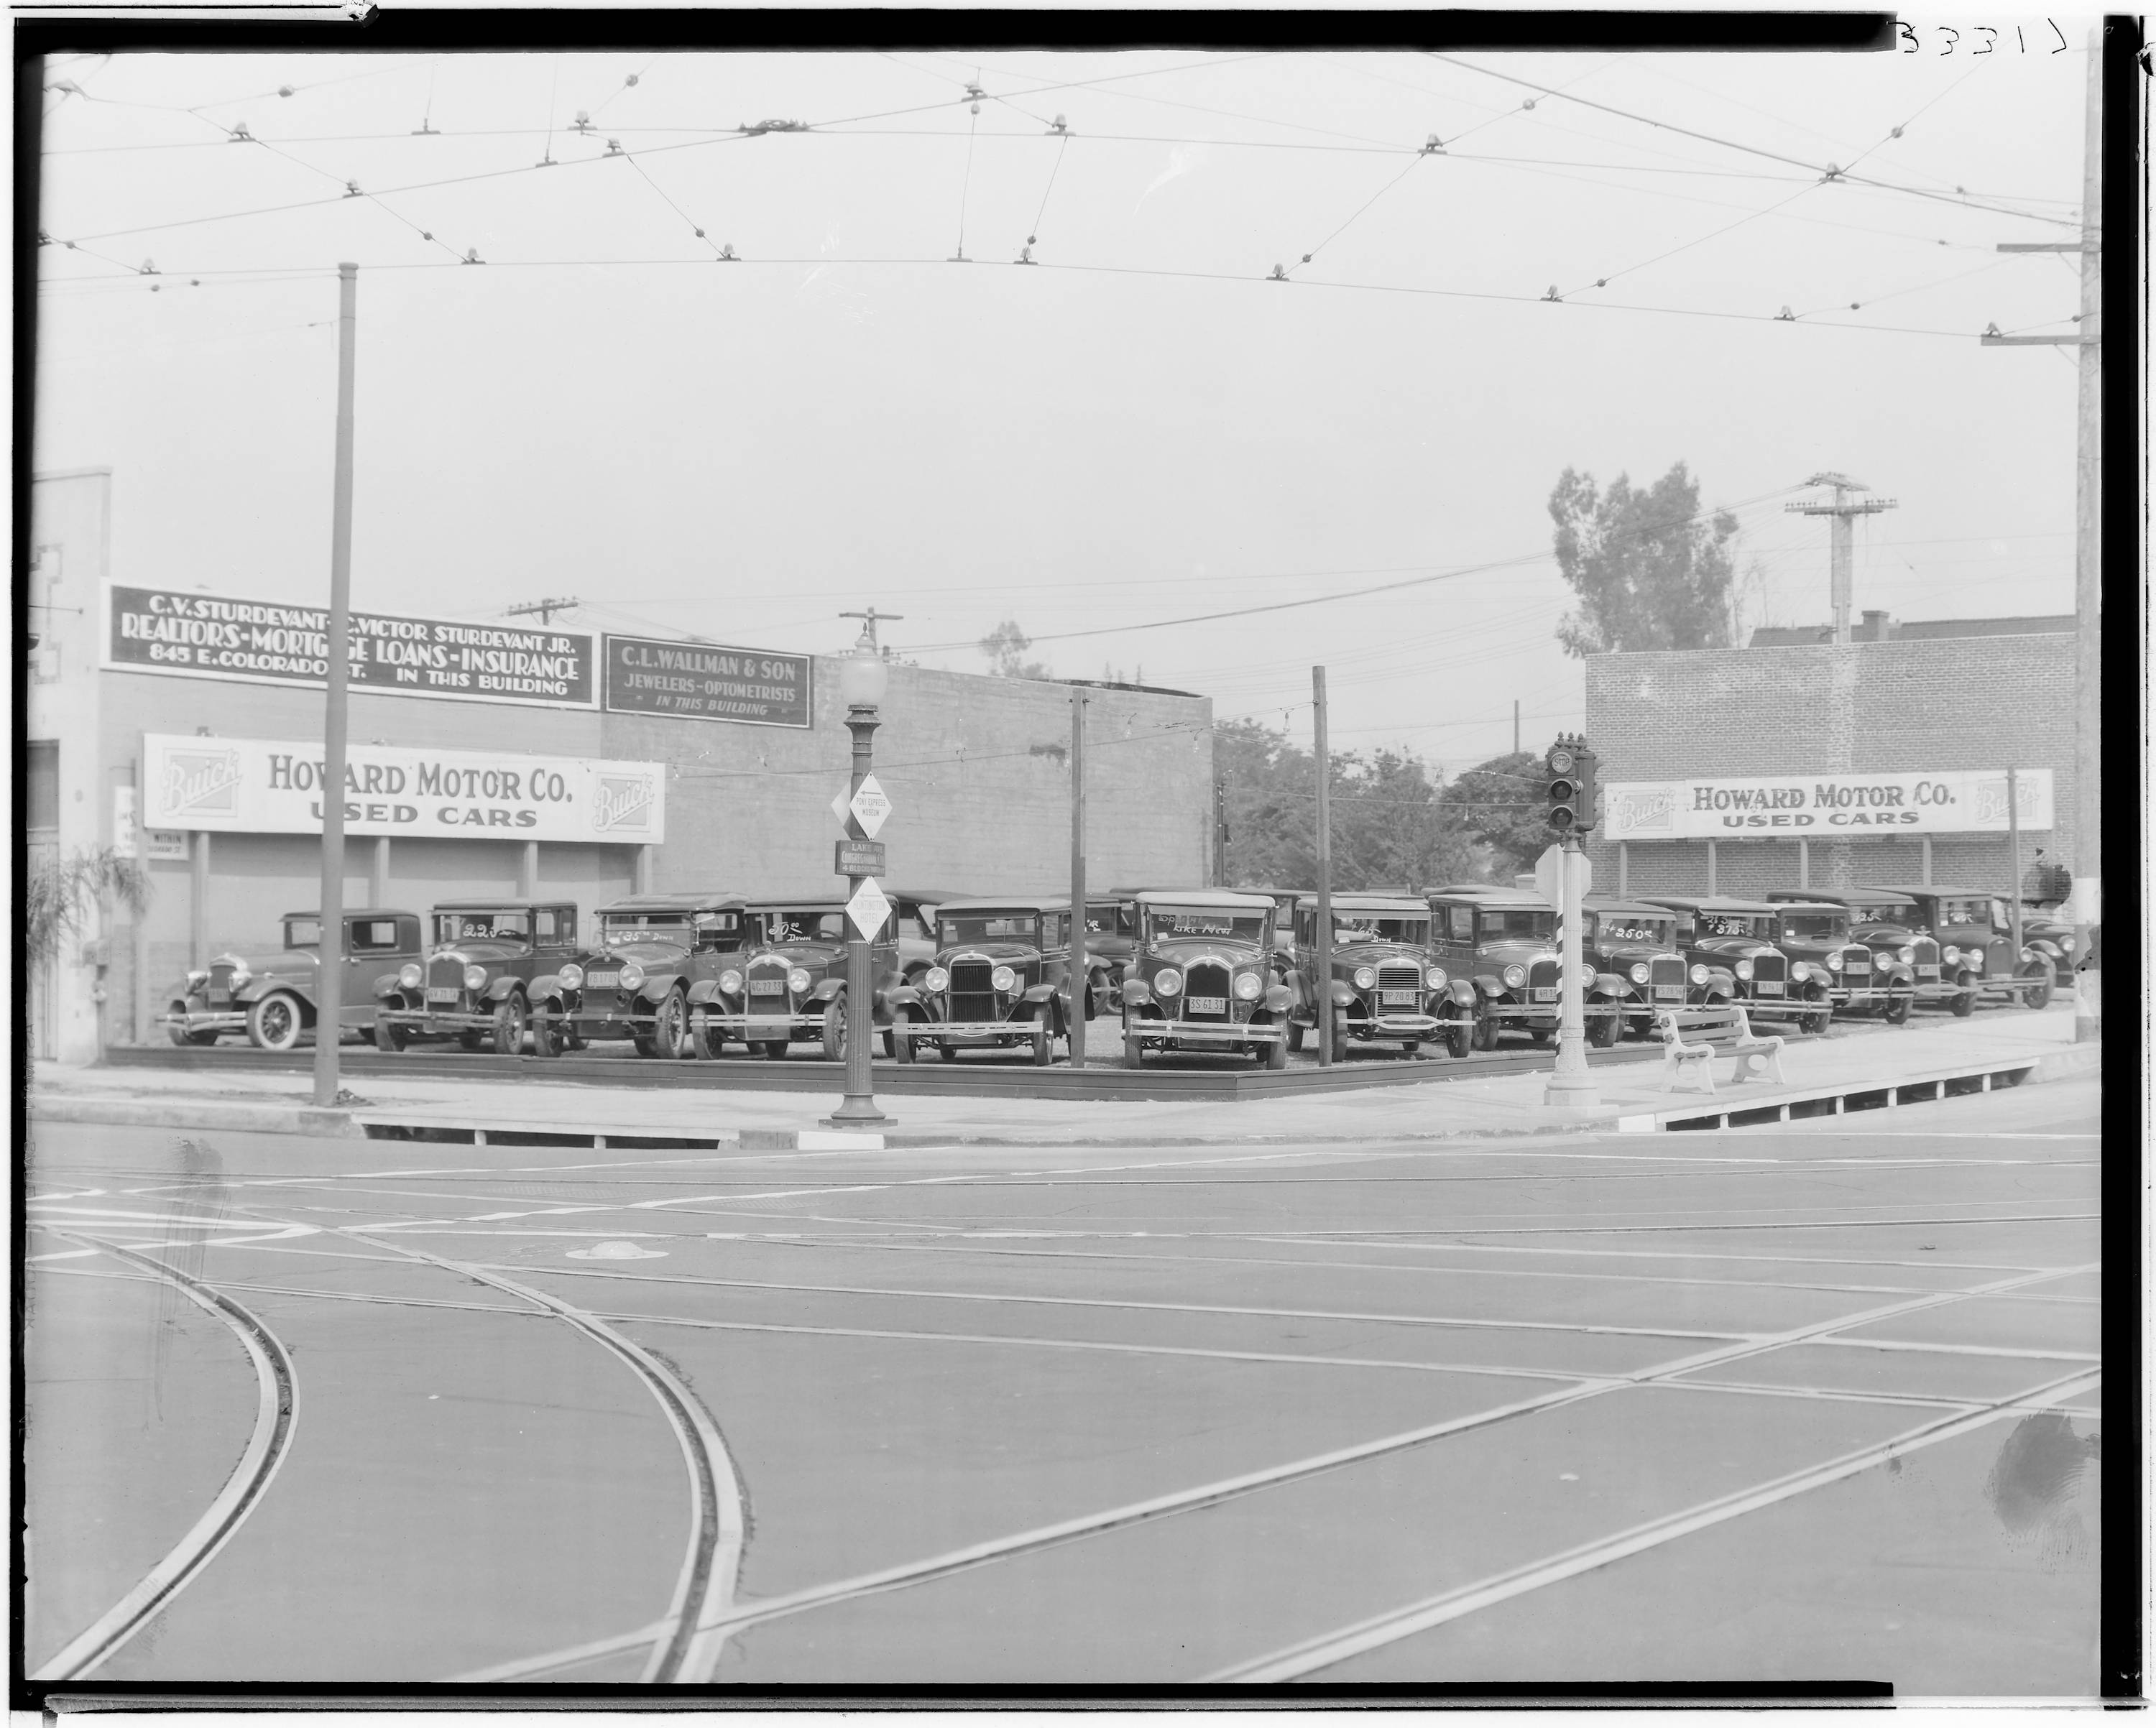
1209,1004
441,992
766,987
1770,987
220,998
1397,999
1542,993
1927,972
602,980
1668,992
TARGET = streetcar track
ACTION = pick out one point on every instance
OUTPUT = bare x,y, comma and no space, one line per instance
276,1418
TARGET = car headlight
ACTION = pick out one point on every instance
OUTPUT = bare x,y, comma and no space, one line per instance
730,982
1168,982
796,981
1003,978
1435,978
1699,974
631,974
197,979
240,975
475,976
1744,968
1515,975
1365,977
1908,957
2066,944
1639,972
1952,956
1833,962
935,981
1249,986
571,977
407,976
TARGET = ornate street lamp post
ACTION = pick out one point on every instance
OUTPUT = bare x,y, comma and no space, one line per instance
862,680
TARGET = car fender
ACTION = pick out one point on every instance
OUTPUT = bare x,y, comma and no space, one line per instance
828,990
1460,991
500,989
1490,983
1279,997
2041,947
1041,992
1342,994
385,987
1137,993
907,995
703,993
257,988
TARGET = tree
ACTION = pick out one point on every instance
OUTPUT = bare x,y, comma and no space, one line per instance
1501,804
1005,646
59,893
1651,572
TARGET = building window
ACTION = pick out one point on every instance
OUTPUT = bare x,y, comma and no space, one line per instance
44,786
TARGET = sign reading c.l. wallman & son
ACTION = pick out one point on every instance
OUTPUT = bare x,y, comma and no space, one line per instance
264,785
1793,806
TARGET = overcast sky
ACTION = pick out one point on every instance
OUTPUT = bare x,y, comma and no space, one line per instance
1143,427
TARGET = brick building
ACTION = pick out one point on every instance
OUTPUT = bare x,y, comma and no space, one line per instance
1922,699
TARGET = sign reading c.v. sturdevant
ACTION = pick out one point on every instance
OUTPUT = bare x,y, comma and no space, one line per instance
1792,806
268,786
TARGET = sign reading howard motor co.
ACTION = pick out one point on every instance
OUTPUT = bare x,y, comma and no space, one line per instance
1791,806
262,786
700,680
262,642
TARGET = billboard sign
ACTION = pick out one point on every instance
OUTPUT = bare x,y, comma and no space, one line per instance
1823,806
702,681
195,635
262,786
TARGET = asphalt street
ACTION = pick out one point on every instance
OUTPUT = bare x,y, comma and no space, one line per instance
1814,1401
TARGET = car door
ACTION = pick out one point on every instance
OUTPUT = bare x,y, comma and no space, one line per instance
371,948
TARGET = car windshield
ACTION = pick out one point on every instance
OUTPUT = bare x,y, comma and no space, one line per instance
1815,926
618,927
1107,920
803,926
1880,912
502,927
1231,924
1501,923
1736,924
303,932
1348,927
1969,914
956,930
1631,927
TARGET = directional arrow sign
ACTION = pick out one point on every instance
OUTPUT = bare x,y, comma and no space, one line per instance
869,908
838,806
870,806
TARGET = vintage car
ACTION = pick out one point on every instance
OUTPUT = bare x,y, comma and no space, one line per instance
1200,978
788,981
654,956
474,983
914,910
2046,921
275,1005
1977,955
1503,941
1385,987
1886,922
1001,979
1728,945
1865,977
1628,950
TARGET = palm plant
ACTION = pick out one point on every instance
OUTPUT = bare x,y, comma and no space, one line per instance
60,893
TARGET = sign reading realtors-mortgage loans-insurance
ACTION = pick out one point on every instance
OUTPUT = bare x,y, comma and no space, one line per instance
1795,806
262,786
700,680
265,642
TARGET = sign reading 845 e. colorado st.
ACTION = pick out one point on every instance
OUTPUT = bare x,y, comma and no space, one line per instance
263,785
1792,806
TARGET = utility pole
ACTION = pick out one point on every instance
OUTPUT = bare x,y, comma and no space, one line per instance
1082,992
2089,548
1516,725
2013,868
1843,511
868,620
329,948
1324,972
545,608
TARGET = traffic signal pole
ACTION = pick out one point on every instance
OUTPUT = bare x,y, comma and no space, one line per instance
1571,789
329,946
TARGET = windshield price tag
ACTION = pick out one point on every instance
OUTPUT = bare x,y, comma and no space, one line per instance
869,908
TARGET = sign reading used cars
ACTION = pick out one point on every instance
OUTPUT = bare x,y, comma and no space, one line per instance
267,786
1790,805
701,680
195,635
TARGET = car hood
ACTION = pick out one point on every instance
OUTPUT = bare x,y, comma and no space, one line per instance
1008,953
1183,950
646,953
1495,957
1353,954
483,953
1611,956
803,954
1733,947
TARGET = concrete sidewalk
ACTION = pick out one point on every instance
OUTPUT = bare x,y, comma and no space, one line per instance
1631,1096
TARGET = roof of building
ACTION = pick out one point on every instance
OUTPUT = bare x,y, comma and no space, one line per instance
1877,627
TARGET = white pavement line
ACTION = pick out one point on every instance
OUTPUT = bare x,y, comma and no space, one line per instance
1645,1253
276,1418
1451,1322
527,1668
1210,1493
1334,1647
1922,1348
688,1653
1668,1229
67,1254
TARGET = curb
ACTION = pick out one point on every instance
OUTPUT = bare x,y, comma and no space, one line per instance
239,1118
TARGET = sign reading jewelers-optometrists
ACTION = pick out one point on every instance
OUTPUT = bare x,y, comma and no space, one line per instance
262,642
704,680
1792,806
261,786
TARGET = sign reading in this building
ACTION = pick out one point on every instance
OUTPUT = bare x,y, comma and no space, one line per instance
264,642
699,680
1793,806
266,785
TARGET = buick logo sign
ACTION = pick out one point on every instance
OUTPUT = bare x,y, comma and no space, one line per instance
203,782
623,801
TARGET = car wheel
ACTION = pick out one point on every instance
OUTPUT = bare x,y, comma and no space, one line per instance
704,1040
1485,1032
2037,992
1898,1004
274,1022
388,1038
509,1021
774,1049
1602,1030
1819,1019
1276,1057
1295,1034
834,1029
1043,1047
1459,1039
1339,1041
1133,1051
1964,1003
901,1035
949,1052
669,1027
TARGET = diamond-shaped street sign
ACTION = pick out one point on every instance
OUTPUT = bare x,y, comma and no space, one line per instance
838,806
869,806
869,908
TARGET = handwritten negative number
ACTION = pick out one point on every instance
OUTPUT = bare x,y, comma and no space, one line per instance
1913,43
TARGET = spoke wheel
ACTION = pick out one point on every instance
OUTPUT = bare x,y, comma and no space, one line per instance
1898,1004
835,1035
2036,991
669,1027
1485,1032
387,1039
274,1023
508,1018
901,1035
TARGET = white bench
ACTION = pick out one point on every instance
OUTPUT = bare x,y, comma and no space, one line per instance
1723,1030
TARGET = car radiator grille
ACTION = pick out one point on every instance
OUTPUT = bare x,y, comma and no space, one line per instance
1928,957
972,996
1665,977
1401,977
1207,979
1855,961
445,975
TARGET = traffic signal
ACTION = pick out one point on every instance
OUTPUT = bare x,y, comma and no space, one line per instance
1569,785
